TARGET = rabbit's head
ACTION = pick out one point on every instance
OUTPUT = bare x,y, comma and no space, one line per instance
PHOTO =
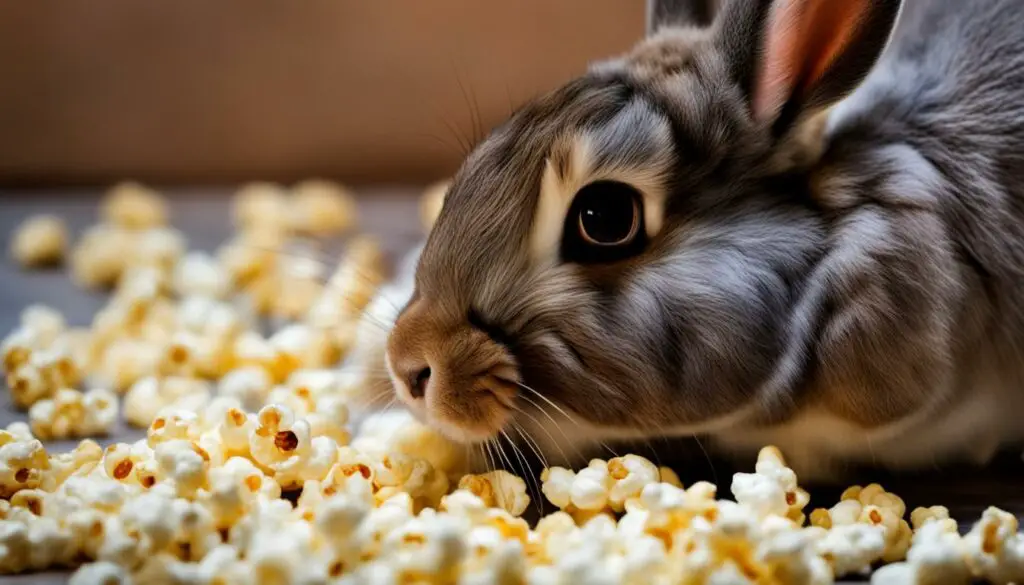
628,249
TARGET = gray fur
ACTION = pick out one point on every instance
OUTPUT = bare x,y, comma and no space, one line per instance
665,13
880,285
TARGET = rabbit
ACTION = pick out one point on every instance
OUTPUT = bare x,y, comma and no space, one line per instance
787,222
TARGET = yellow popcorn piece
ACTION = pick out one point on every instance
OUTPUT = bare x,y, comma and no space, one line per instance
99,257
498,489
321,208
134,206
260,205
938,514
41,240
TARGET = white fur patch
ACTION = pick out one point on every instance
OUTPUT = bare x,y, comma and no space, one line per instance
557,193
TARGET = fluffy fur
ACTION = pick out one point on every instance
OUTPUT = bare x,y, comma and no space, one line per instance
837,273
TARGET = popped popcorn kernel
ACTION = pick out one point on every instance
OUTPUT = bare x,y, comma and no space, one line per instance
630,475
498,489
72,414
22,464
40,240
198,274
260,204
99,257
321,208
666,475
133,206
939,514
994,549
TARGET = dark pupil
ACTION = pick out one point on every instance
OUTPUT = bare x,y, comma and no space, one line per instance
606,212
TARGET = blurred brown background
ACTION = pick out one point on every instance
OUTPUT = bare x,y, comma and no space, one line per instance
230,90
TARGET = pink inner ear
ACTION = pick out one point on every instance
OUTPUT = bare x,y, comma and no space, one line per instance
803,40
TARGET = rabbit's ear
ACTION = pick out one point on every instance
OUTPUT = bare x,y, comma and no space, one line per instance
664,13
794,57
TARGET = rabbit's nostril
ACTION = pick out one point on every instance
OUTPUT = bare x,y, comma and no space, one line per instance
418,387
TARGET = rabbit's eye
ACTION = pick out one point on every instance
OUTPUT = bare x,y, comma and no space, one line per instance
605,223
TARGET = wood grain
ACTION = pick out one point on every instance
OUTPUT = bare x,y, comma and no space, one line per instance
196,92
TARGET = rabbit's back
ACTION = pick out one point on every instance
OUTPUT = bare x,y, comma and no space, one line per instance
951,88
929,154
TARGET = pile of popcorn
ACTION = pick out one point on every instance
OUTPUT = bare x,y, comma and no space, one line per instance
253,471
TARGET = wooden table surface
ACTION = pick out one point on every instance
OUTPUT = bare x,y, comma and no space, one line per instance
392,214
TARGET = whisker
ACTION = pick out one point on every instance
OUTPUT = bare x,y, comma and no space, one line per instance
605,446
707,456
531,443
473,113
379,398
549,402
557,426
328,280
529,477
491,464
507,462
540,426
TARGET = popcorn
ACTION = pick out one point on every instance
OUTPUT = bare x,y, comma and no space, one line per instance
852,548
40,240
22,464
299,285
250,385
83,458
330,419
870,505
557,486
100,256
102,572
301,345
281,444
125,362
120,462
28,385
357,278
198,274
666,475
44,324
498,489
133,206
630,475
938,514
321,208
184,464
17,347
73,414
252,255
935,557
149,396
260,204
159,249
993,549
772,489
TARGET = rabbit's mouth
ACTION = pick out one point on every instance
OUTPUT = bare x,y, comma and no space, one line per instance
454,377
472,413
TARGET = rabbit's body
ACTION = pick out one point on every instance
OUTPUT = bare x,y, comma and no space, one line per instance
925,160
846,291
